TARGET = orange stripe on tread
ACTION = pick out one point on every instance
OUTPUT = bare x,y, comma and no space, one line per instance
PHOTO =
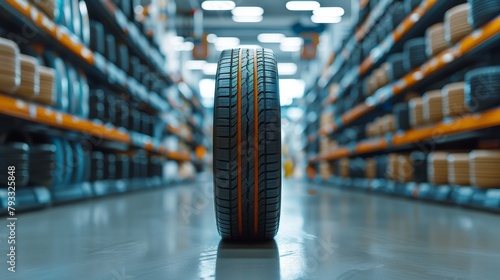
256,145
238,129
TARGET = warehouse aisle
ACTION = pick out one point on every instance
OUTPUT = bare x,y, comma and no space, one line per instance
325,233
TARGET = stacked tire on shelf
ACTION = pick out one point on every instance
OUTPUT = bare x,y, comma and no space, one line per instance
482,90
15,154
247,145
42,164
482,11
437,103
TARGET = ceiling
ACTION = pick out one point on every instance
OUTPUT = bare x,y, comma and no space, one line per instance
276,19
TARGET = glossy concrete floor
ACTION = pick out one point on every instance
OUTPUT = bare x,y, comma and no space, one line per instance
325,233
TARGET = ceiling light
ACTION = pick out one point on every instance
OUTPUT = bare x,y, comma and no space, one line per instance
270,37
293,88
207,88
218,5
247,19
195,64
210,68
211,38
247,11
176,40
329,11
186,47
325,19
287,68
302,5
230,41
172,41
289,89
221,48
285,48
249,47
292,41
222,43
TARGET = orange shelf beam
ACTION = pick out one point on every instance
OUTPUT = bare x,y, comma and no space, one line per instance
372,145
338,153
28,111
356,112
179,156
20,109
470,122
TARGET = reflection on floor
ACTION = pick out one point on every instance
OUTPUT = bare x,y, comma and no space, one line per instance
325,233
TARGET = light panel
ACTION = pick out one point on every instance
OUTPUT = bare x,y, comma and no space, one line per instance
325,19
210,69
247,18
293,88
270,37
286,69
229,41
195,64
292,41
218,5
249,46
247,11
329,12
290,89
184,47
207,88
211,38
222,43
285,48
302,5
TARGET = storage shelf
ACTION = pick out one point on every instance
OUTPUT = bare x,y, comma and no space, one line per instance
342,55
129,33
25,13
18,108
470,122
470,45
417,18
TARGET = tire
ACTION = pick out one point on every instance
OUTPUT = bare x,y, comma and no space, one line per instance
247,145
